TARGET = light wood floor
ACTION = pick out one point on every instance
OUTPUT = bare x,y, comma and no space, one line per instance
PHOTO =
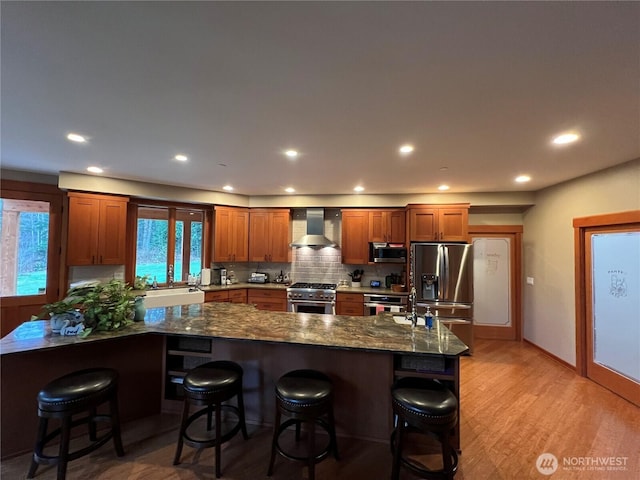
517,403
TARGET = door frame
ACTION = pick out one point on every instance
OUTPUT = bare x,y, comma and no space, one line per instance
515,231
580,226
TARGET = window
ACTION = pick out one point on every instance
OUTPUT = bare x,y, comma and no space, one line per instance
25,246
169,236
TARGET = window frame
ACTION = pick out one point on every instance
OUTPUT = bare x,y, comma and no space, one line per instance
16,190
132,231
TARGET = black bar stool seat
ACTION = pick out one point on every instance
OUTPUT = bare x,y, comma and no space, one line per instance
426,406
209,385
75,393
306,396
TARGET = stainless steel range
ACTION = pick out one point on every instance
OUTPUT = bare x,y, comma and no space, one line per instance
312,298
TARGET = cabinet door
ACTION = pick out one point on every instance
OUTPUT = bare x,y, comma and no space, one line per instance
453,224
397,226
377,226
355,235
82,242
111,232
240,222
223,235
423,224
259,236
279,233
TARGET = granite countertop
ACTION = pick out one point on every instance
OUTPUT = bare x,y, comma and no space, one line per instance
368,289
245,322
236,286
283,286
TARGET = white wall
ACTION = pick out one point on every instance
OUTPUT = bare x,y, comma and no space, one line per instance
549,305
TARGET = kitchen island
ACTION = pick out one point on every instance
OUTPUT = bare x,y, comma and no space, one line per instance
361,354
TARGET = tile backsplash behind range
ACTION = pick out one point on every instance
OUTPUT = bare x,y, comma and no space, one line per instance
317,264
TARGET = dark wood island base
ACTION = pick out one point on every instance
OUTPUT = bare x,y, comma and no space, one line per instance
362,355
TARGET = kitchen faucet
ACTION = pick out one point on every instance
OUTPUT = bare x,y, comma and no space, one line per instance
170,276
413,316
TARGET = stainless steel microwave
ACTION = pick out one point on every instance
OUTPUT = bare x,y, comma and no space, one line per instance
387,254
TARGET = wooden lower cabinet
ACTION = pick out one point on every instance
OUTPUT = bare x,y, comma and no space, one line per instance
238,296
232,296
272,300
350,304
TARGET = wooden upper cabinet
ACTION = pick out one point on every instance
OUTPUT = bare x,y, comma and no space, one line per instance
231,235
355,237
387,226
97,225
269,235
438,223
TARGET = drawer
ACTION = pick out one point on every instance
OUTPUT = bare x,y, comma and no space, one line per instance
351,298
344,308
216,296
267,294
238,296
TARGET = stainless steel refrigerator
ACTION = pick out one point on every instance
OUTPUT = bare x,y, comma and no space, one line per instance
442,274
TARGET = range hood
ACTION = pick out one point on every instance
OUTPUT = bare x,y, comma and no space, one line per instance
315,231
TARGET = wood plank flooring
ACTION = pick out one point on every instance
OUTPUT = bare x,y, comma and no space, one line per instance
517,403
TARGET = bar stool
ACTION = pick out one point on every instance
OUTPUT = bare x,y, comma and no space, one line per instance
209,385
425,406
306,397
78,392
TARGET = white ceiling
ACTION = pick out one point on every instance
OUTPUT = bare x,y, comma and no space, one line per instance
479,88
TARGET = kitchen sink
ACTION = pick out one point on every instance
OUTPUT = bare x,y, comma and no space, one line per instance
168,297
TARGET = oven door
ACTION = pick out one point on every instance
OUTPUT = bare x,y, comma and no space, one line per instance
301,306
372,308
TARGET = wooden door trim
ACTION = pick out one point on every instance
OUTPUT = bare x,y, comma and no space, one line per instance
580,226
516,231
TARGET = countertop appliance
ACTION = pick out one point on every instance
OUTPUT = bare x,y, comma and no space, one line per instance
257,277
376,303
387,254
442,274
305,297
218,276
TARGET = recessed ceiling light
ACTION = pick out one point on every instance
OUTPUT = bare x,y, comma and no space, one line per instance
291,153
74,137
443,187
523,178
290,190
359,188
94,169
181,158
406,149
566,138
228,188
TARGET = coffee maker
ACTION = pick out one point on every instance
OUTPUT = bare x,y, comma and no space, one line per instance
219,276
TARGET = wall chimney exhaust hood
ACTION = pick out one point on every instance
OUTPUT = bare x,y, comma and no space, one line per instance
315,231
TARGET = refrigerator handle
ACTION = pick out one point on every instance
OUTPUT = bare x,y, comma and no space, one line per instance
445,270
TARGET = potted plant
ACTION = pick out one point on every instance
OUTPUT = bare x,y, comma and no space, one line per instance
356,277
141,282
102,306
108,306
